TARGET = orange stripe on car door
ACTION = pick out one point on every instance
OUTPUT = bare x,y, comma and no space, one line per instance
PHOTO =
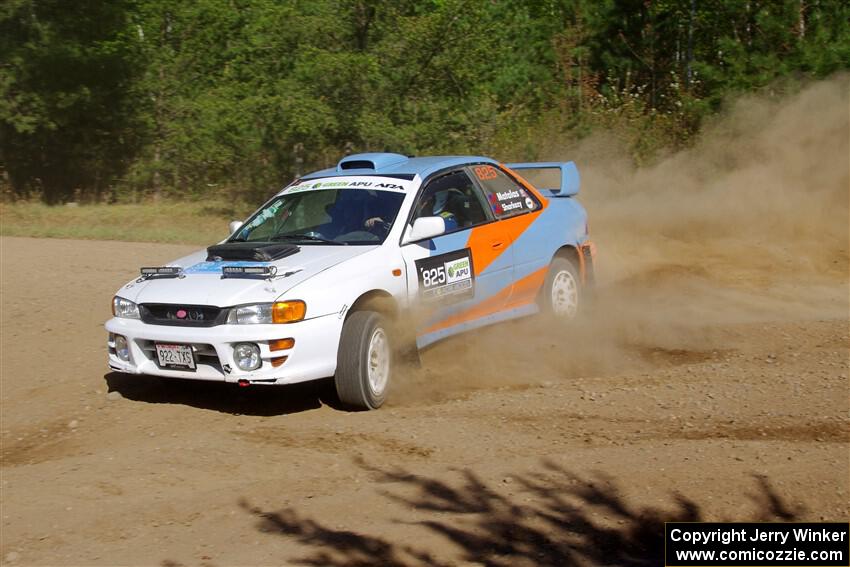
527,288
487,242
490,240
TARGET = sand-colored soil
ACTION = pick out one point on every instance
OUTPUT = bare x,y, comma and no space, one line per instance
708,382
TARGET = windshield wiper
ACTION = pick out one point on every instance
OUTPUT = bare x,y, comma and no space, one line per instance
307,237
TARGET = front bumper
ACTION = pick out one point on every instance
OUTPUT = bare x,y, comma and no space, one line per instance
313,355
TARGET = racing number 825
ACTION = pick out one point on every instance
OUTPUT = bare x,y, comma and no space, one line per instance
434,276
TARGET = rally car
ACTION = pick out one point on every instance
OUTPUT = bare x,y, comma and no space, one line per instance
346,268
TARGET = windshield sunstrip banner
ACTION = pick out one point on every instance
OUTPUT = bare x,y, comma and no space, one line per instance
374,182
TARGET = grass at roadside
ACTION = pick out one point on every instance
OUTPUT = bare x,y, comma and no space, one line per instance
174,222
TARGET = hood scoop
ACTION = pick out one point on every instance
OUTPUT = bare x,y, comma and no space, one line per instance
252,251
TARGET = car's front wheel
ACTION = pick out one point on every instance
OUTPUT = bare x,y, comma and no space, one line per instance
365,361
561,295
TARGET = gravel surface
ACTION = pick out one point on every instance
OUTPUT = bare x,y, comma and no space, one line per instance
519,445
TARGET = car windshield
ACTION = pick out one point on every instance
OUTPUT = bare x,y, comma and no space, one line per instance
324,216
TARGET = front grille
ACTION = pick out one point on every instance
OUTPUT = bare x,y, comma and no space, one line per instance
182,315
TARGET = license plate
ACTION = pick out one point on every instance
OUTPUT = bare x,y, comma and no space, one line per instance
175,356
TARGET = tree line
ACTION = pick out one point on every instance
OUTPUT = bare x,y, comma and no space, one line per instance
105,100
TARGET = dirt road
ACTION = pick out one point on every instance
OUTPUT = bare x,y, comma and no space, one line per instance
495,448
709,382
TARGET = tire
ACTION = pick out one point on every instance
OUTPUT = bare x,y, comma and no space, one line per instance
364,361
561,297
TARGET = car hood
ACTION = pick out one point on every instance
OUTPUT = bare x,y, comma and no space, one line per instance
202,283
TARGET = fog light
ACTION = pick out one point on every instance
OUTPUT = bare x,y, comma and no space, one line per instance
246,356
122,349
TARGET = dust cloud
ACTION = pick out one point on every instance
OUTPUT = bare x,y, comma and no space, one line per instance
748,225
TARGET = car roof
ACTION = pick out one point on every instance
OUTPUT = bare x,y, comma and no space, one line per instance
387,164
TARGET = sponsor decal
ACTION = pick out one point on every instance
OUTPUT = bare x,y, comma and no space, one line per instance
495,204
457,270
348,183
298,188
507,195
512,200
446,278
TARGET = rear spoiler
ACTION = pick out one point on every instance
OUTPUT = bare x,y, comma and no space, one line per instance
570,180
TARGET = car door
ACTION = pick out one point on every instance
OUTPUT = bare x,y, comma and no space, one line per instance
459,279
516,210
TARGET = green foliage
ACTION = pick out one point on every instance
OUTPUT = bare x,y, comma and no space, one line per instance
66,124
133,99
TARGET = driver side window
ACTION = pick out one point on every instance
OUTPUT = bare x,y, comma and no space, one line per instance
454,198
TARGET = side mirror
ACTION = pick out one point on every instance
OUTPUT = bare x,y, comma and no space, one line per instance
425,227
235,225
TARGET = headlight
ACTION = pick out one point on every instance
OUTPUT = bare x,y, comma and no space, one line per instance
124,308
266,313
250,314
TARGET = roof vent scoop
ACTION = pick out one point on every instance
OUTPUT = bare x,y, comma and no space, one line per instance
373,162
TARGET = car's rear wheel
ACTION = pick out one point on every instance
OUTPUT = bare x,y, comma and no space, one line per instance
365,361
561,296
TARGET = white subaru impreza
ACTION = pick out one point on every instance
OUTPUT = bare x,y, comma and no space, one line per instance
347,267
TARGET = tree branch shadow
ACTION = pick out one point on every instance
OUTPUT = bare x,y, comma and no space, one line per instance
561,519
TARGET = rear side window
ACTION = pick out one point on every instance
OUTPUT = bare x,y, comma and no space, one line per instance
506,197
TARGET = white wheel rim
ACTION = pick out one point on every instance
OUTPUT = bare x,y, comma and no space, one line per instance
564,295
378,361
